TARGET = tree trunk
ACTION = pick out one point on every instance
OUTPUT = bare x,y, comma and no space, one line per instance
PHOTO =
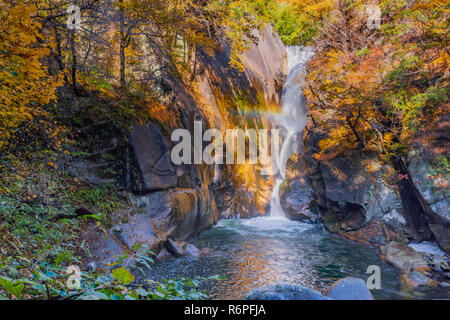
416,210
355,132
122,48
74,62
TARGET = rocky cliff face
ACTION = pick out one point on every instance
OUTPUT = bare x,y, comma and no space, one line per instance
366,200
179,201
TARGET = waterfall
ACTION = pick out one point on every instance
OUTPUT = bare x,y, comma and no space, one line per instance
292,119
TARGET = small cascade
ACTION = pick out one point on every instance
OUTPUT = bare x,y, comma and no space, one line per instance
292,120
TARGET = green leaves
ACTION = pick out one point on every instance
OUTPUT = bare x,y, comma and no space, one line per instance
14,287
123,275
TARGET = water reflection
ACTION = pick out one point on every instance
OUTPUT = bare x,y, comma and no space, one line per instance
262,251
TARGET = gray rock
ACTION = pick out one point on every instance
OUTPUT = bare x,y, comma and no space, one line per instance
163,254
191,251
416,279
265,64
444,266
419,167
92,266
139,230
442,235
445,284
295,199
403,257
378,200
152,153
439,263
284,291
349,289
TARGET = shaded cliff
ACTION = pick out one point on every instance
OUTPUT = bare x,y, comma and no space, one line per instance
366,199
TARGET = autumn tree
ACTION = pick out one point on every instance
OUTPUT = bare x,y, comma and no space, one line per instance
379,87
25,84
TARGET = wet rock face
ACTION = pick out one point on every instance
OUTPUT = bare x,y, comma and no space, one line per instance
152,154
349,289
396,201
296,200
437,198
192,212
215,86
264,63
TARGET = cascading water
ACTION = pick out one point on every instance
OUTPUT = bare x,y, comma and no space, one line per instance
292,120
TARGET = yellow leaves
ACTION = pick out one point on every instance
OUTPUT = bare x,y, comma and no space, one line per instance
25,84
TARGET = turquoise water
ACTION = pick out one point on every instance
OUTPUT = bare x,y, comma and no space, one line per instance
264,251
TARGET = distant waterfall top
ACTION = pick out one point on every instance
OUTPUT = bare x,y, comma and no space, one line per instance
294,114
298,55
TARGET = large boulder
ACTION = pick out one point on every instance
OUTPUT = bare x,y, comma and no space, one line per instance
356,182
181,249
193,211
349,289
442,235
284,291
296,200
152,153
421,174
402,256
165,218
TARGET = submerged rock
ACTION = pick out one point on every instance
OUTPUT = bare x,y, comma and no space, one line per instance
284,291
403,257
439,263
415,279
349,289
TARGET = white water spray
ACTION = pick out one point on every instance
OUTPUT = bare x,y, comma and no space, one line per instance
292,120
